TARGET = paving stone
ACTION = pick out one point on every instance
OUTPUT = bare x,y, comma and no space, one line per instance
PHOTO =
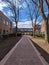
24,54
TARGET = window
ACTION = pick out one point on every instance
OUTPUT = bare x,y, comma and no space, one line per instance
3,31
4,21
0,31
7,23
0,18
7,31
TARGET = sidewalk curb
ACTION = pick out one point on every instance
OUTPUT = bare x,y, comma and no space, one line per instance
38,54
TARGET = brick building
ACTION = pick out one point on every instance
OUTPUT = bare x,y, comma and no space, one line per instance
5,25
42,27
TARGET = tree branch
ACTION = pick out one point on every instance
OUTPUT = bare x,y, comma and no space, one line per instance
47,2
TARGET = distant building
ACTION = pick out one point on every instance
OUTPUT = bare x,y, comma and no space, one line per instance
5,25
42,27
25,30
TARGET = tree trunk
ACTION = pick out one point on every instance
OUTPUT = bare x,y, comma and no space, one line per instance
16,29
34,31
47,30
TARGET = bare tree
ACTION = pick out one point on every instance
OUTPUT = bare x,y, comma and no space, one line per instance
46,19
36,13
30,14
12,6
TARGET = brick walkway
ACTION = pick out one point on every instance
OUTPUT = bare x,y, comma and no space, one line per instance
24,53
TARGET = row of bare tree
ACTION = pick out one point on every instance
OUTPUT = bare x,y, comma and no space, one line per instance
46,19
38,4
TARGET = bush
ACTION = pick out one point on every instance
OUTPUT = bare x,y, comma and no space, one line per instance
12,35
19,34
43,35
4,36
40,35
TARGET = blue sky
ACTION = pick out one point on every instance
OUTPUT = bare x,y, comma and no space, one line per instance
24,18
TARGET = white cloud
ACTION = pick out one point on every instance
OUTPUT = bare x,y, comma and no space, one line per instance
33,20
20,6
0,0
9,13
27,24
2,5
24,4
38,22
13,24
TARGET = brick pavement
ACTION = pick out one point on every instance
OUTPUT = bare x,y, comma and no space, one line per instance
25,54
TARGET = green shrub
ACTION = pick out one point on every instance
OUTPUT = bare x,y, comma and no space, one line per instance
5,36
43,35
40,35
12,35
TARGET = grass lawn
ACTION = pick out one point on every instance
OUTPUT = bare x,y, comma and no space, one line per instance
41,46
6,45
41,42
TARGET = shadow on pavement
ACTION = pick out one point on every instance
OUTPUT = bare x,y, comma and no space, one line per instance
6,45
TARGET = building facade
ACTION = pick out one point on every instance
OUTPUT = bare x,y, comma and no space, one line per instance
38,28
26,31
42,27
5,25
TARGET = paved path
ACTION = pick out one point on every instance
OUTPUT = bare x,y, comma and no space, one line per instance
24,53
